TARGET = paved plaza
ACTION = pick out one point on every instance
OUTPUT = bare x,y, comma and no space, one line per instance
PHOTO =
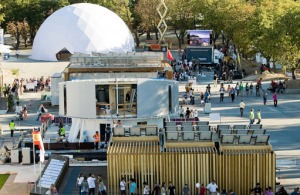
281,122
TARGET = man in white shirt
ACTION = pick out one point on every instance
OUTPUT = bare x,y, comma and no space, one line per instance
212,188
242,107
123,186
91,183
181,112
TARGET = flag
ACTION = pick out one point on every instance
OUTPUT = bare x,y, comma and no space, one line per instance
169,55
37,140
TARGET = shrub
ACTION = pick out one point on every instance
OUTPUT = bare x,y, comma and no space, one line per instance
15,71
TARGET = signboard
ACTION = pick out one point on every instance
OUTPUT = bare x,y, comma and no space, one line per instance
204,54
199,37
1,36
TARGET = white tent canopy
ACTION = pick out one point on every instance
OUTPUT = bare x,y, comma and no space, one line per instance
83,28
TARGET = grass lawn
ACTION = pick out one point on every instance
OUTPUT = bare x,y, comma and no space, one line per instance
3,178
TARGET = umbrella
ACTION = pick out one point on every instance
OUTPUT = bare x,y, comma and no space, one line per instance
4,48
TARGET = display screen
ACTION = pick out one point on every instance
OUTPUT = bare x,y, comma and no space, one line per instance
199,37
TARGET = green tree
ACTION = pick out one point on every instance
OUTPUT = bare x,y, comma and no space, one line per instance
33,11
181,17
18,30
288,25
1,13
267,38
146,9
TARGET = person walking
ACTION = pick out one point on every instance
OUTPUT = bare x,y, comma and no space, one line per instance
247,89
171,189
275,99
53,190
84,186
222,91
265,95
163,189
12,128
202,190
241,87
257,89
206,96
79,181
186,190
258,114
25,112
132,187
212,188
242,107
101,186
192,97
91,183
251,116
96,137
215,80
181,112
123,186
237,89
232,94
187,113
146,189
251,88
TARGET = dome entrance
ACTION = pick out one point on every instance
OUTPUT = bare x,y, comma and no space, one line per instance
63,55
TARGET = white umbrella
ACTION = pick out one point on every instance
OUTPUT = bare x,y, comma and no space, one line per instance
4,48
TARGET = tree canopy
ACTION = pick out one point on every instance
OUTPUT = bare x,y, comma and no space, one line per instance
271,27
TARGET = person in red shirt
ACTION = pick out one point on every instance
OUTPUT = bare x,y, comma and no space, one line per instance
202,190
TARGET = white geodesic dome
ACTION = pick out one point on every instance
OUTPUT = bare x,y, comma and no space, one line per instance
83,28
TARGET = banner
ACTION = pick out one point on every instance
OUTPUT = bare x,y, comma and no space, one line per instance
169,55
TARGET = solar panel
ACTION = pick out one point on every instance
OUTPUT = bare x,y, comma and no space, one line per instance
244,139
187,128
203,123
172,135
255,126
151,130
188,136
205,135
203,127
224,131
242,131
227,139
262,139
258,131
135,131
239,126
118,131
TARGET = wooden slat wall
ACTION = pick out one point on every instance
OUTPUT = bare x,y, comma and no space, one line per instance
241,169
232,169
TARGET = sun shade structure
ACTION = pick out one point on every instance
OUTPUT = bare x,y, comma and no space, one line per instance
83,28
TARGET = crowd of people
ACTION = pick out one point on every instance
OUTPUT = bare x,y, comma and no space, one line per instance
211,188
20,85
90,185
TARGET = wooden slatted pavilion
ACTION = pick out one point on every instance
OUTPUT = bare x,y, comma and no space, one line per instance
240,167
133,157
233,165
189,163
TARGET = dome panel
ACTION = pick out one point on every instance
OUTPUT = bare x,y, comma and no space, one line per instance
84,28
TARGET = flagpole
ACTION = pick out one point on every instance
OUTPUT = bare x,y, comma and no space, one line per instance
34,174
40,174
